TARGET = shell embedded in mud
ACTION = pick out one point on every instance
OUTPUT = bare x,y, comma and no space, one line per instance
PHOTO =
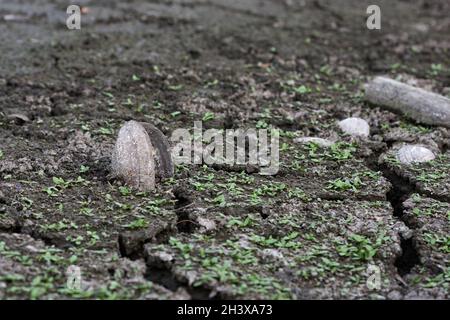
141,156
355,127
414,154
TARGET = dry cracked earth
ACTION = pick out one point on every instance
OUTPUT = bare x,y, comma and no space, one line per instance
313,231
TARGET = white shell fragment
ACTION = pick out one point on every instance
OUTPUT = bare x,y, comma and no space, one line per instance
141,156
18,118
319,141
355,127
414,154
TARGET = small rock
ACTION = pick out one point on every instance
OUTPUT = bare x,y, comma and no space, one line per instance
14,17
355,127
394,295
415,103
141,156
157,259
244,242
414,154
272,255
319,141
131,243
166,257
208,224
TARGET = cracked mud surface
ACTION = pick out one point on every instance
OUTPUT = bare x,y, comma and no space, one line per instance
309,232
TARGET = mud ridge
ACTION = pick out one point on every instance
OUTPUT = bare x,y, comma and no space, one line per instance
48,241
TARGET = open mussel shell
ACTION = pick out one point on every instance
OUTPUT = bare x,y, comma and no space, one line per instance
141,156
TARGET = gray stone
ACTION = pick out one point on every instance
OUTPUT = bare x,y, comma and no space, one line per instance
415,103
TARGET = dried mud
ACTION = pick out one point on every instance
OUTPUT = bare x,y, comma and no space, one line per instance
309,232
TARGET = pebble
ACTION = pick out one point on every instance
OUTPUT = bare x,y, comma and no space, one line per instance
414,154
355,127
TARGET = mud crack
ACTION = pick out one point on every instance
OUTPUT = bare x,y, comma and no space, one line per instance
183,202
401,189
161,273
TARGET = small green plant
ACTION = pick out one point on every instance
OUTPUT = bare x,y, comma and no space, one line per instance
361,248
298,194
213,83
50,256
291,86
442,243
208,116
51,191
93,237
177,87
184,248
436,69
428,177
341,151
60,182
105,131
288,241
262,124
84,169
415,128
247,222
220,200
345,184
137,224
124,191
40,285
442,279
63,224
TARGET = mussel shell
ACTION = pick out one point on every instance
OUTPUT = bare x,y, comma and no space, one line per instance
141,156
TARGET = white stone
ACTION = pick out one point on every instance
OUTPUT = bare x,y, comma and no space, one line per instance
355,127
414,154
